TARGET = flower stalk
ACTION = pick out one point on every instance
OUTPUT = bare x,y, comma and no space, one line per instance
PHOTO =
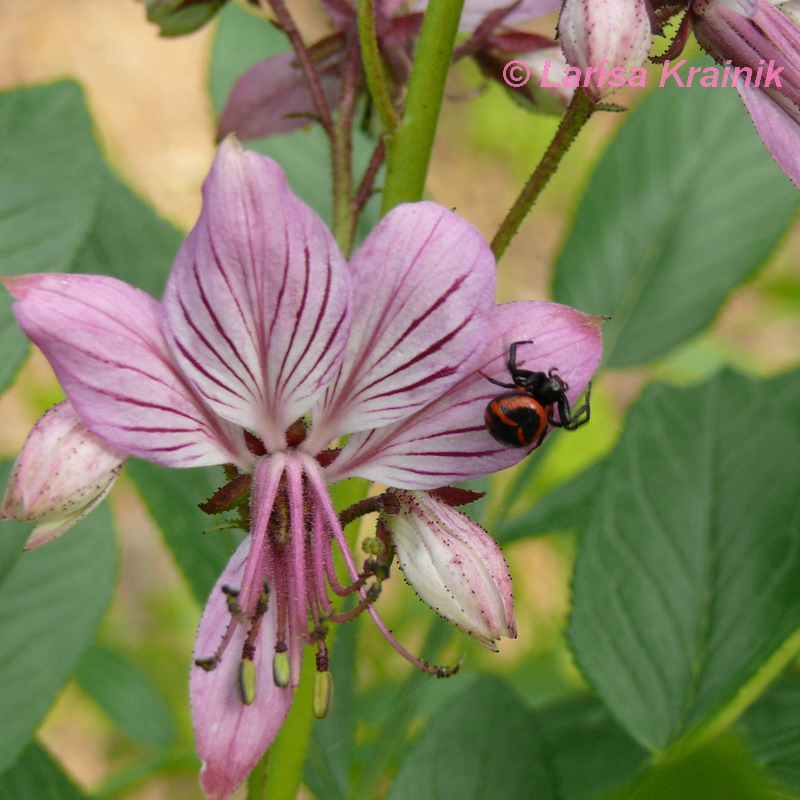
373,67
410,147
575,117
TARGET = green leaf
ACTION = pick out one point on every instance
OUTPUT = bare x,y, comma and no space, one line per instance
51,602
126,695
687,582
129,240
488,742
36,776
49,187
568,507
62,210
772,725
684,205
172,496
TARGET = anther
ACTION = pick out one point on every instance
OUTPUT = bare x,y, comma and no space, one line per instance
246,683
322,695
281,669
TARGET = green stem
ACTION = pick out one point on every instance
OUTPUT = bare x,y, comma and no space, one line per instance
575,117
373,66
257,780
410,146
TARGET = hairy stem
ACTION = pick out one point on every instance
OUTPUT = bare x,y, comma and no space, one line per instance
575,117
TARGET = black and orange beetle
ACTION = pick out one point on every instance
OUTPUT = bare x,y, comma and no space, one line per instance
520,418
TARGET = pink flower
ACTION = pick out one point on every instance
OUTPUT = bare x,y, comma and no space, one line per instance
267,347
273,97
755,35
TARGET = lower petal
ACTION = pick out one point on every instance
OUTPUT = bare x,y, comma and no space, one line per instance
231,737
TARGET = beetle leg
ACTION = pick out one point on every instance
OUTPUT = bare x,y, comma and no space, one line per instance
512,356
497,383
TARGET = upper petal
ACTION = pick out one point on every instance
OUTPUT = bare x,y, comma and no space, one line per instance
230,735
257,306
103,339
447,441
423,288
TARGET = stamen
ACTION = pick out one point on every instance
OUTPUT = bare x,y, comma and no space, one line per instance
322,696
322,496
236,618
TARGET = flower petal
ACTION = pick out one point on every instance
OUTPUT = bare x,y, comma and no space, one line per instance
423,284
103,339
447,441
778,128
230,735
273,97
257,306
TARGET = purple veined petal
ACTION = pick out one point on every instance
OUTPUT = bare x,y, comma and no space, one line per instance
273,97
778,126
258,305
447,441
423,287
232,736
103,339
476,10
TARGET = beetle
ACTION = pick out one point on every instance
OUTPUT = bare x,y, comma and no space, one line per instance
520,418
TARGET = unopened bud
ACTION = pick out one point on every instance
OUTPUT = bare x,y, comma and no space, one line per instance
454,566
600,35
63,472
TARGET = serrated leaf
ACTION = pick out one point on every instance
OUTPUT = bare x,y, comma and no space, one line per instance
126,695
51,602
487,742
172,496
36,776
684,205
687,582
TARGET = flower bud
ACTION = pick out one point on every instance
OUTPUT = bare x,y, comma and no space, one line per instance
453,565
62,473
600,35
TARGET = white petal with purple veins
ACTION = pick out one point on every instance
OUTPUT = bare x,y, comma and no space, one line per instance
257,306
423,289
103,339
447,441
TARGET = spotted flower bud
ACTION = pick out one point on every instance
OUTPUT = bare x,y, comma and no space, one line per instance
598,36
62,473
453,565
